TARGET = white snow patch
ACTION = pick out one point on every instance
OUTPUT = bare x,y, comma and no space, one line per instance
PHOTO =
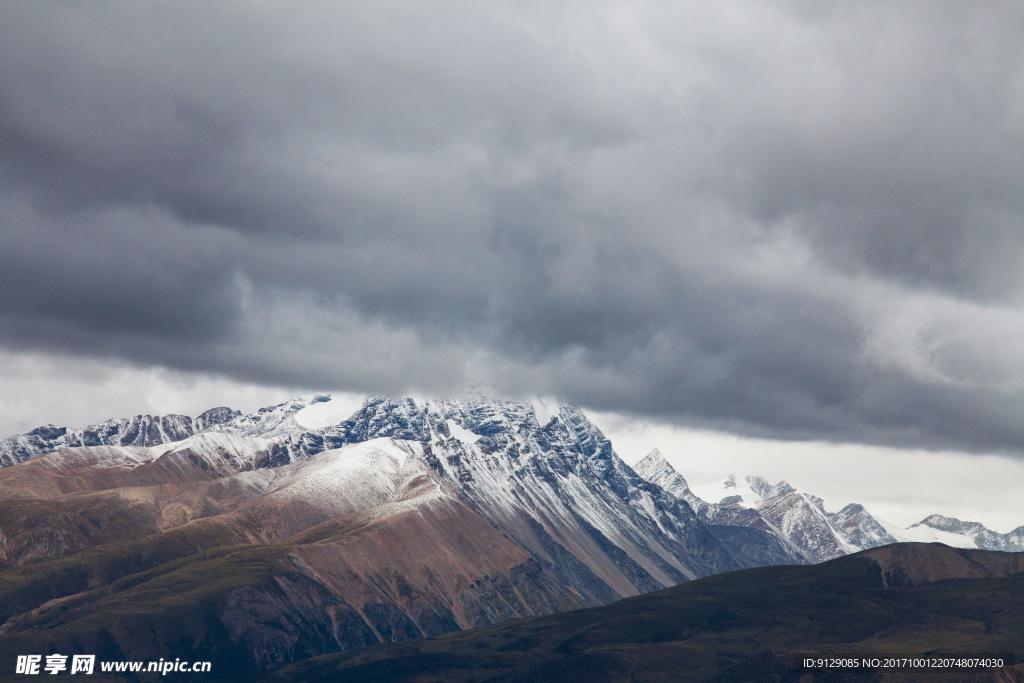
461,433
544,410
104,457
224,452
921,533
326,413
716,491
894,530
926,534
649,508
353,477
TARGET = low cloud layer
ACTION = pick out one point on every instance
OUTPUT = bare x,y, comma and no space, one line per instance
775,219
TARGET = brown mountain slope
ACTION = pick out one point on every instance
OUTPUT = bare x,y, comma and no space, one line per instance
915,564
342,550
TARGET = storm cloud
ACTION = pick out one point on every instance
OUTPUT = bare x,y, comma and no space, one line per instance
789,220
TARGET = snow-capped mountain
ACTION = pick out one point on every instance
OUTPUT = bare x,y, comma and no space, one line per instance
557,483
141,430
797,517
655,469
735,523
747,492
801,521
953,532
453,430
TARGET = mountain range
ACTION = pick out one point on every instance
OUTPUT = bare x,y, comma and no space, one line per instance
801,519
265,538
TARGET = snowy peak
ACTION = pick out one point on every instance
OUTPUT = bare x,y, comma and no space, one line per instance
322,411
214,417
656,458
277,420
859,528
748,491
798,521
140,430
554,481
655,469
801,520
761,487
951,524
544,410
954,532
356,477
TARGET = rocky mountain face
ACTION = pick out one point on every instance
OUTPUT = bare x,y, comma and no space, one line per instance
755,542
141,430
257,536
655,469
801,525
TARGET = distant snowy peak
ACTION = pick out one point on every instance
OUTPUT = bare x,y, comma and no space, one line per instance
952,525
860,528
214,417
536,459
548,478
748,491
278,422
761,487
801,519
357,477
797,519
655,469
919,533
319,411
307,425
965,534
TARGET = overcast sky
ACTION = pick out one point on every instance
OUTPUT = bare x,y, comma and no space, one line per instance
790,220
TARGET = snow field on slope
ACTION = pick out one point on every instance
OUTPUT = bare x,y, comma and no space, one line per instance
920,533
461,433
544,410
715,491
212,445
353,477
105,457
326,413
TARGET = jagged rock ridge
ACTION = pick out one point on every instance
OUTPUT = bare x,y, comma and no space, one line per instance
801,523
141,430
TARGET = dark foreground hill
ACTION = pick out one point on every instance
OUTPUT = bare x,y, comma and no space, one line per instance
739,626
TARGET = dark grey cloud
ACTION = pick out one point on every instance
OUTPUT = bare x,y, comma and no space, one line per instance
778,219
